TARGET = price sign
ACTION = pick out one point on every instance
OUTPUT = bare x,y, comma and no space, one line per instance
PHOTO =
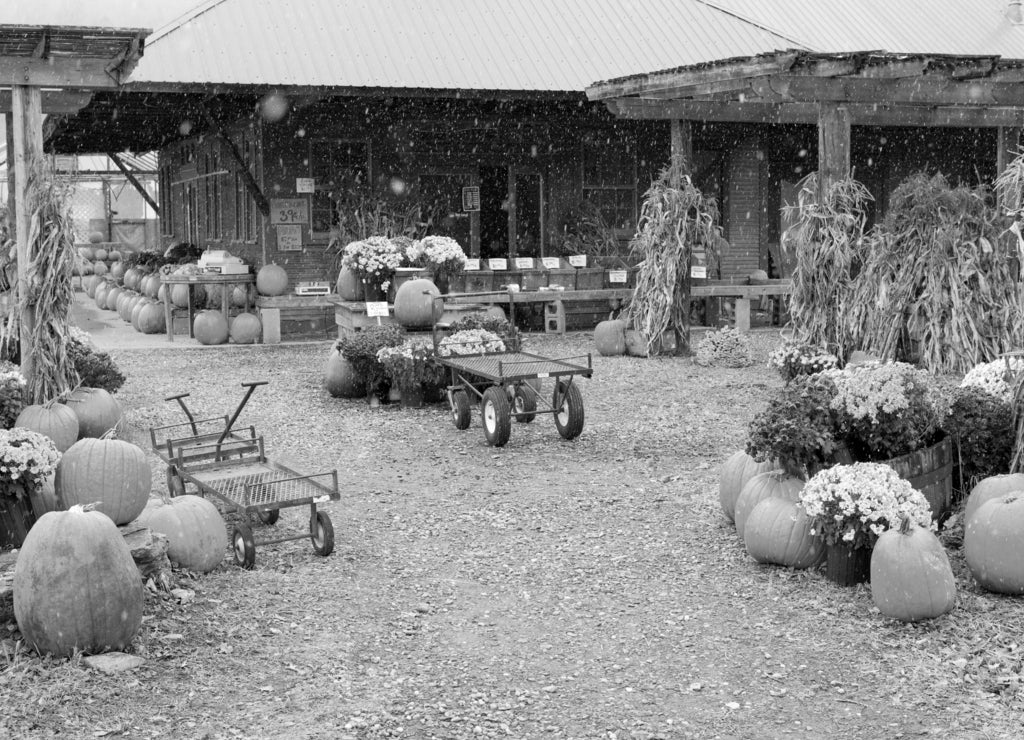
471,198
305,185
551,263
289,238
289,211
578,260
524,263
617,276
376,308
473,264
698,271
497,263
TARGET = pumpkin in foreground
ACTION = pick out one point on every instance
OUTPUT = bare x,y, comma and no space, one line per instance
76,586
765,485
197,537
110,472
911,578
992,544
995,486
53,420
735,472
779,532
97,410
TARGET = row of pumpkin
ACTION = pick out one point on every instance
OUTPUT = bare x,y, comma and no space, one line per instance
911,577
74,560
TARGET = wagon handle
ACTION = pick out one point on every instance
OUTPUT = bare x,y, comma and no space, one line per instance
180,398
250,387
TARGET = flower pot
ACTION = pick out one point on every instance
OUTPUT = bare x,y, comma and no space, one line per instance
848,566
478,281
403,275
412,395
456,283
930,471
16,519
373,293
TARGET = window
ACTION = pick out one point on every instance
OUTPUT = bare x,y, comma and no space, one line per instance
166,202
245,208
609,177
213,205
339,168
191,213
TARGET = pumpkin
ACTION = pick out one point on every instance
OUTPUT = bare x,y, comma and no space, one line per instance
57,421
415,304
112,472
76,586
100,294
911,578
151,285
341,378
776,483
610,337
994,486
778,531
180,293
349,286
114,255
98,412
90,285
137,312
214,295
271,280
95,237
210,327
245,328
117,270
111,298
992,544
87,253
44,498
735,472
101,254
636,346
196,534
99,268
132,278
152,318
242,296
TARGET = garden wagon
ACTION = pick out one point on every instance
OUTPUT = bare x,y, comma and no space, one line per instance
231,465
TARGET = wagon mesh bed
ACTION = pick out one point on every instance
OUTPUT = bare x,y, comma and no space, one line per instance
511,366
261,484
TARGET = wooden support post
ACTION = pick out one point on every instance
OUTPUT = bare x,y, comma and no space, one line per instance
682,146
134,182
9,122
682,159
1008,146
28,151
833,146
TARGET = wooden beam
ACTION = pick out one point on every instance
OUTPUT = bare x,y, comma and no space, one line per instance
134,181
1008,144
250,182
28,151
708,88
681,147
915,91
11,211
833,146
53,101
62,72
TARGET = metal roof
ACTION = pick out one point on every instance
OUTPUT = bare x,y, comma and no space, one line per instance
497,45
954,27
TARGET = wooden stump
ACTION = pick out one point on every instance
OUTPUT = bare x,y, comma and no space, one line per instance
149,551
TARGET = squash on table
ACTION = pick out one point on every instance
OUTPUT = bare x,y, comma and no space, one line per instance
992,544
271,280
110,472
735,472
197,537
911,578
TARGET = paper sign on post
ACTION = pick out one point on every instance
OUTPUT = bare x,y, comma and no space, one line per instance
617,276
376,308
289,238
497,263
551,263
305,185
524,263
473,264
698,271
578,260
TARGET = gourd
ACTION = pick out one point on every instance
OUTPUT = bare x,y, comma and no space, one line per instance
271,280
111,298
245,328
911,578
778,531
415,304
349,286
76,586
196,534
610,337
992,544
210,327
152,319
98,412
55,420
735,472
111,472
994,486
341,378
776,483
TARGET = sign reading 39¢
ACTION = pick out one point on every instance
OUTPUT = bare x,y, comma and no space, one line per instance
289,211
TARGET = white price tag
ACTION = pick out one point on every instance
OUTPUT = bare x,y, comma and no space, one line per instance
321,499
473,264
376,308
617,276
578,260
524,263
551,263
497,263
698,271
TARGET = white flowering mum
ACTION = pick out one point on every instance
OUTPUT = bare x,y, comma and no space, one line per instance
726,347
470,342
996,377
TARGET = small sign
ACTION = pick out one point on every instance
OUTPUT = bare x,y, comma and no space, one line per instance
289,238
305,185
698,271
524,263
578,260
473,264
618,276
376,308
471,198
551,263
289,211
497,263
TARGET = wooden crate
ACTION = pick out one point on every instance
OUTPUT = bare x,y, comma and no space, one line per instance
295,317
350,317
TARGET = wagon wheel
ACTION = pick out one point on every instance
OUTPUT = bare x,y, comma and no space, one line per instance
497,416
175,483
525,404
268,516
460,409
244,546
321,532
568,404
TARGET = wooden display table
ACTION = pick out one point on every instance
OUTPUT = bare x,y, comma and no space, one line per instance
350,316
191,281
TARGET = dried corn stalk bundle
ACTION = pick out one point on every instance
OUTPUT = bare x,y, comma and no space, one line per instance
938,284
674,223
46,293
827,238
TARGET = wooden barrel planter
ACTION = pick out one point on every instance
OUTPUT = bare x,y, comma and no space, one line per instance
930,471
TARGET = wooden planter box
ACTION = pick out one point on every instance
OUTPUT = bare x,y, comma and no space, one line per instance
930,471
295,317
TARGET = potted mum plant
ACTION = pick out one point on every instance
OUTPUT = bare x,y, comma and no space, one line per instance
851,505
795,358
442,256
361,348
410,367
374,261
27,458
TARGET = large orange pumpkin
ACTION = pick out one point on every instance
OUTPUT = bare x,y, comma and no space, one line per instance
76,586
54,420
341,379
153,318
245,328
735,472
911,578
992,544
197,537
349,286
111,472
415,304
995,486
98,412
778,531
777,483
210,327
271,280
610,337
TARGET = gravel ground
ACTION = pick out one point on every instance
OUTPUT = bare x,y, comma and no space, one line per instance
586,589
